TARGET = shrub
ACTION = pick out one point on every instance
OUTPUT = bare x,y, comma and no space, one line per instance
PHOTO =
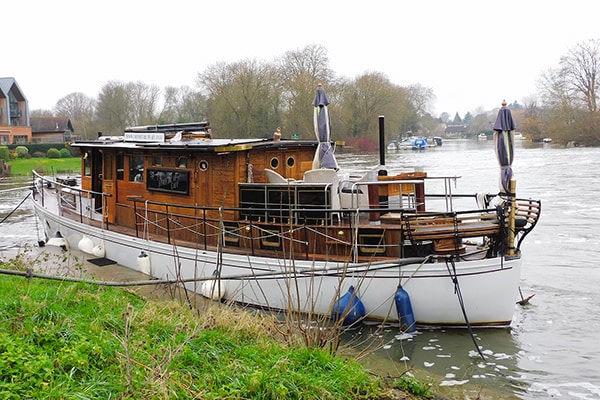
38,154
4,154
53,153
364,144
22,151
414,386
65,153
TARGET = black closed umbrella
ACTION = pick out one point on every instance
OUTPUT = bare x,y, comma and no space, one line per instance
504,142
324,157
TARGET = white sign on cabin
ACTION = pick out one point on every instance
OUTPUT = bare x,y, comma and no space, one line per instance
144,137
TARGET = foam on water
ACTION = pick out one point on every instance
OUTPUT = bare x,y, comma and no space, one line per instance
575,390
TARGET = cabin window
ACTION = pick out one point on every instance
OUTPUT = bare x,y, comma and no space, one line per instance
86,163
136,168
203,165
371,242
120,165
182,162
291,161
270,239
231,234
274,162
157,160
165,180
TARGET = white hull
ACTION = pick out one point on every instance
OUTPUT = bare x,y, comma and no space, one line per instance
489,287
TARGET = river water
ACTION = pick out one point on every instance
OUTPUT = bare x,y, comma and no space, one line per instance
552,349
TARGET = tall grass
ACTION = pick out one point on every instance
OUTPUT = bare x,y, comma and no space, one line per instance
79,340
47,166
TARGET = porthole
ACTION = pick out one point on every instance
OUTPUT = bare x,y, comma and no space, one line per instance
291,161
203,165
274,162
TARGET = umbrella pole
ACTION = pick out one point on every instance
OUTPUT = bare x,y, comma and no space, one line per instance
511,217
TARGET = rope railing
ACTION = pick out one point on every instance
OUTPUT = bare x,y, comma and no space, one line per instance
163,221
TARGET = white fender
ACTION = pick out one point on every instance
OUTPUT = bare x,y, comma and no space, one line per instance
98,251
143,263
213,289
58,241
86,244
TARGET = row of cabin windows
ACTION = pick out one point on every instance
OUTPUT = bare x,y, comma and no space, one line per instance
136,166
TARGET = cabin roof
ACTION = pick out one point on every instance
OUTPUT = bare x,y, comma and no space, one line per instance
194,136
209,145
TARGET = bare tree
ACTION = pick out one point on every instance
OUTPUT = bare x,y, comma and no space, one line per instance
299,73
126,104
532,120
169,113
242,101
80,109
369,96
112,109
569,94
581,67
40,113
192,105
143,103
421,98
76,106
182,104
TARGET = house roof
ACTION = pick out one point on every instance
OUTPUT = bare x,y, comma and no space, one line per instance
456,129
6,84
50,124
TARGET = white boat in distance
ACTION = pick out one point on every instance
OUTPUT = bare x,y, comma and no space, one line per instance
251,221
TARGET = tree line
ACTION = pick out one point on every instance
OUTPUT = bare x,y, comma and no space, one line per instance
251,98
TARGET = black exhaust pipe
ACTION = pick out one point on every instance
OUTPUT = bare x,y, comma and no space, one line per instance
381,141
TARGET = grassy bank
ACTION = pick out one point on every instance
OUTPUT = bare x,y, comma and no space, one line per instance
62,340
24,166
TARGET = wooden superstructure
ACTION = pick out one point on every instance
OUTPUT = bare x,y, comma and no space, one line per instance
177,184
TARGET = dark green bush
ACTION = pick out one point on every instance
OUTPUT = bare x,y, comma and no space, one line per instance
53,153
4,155
22,151
65,153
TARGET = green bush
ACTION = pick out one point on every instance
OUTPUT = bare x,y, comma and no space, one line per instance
22,151
65,153
53,153
4,154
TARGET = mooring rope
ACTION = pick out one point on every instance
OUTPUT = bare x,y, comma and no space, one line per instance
16,208
454,277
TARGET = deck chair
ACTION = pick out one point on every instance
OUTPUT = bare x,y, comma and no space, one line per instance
274,177
330,176
352,194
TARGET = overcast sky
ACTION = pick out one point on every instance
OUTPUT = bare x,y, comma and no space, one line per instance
471,53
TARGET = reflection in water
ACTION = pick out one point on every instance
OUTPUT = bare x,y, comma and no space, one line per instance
448,357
